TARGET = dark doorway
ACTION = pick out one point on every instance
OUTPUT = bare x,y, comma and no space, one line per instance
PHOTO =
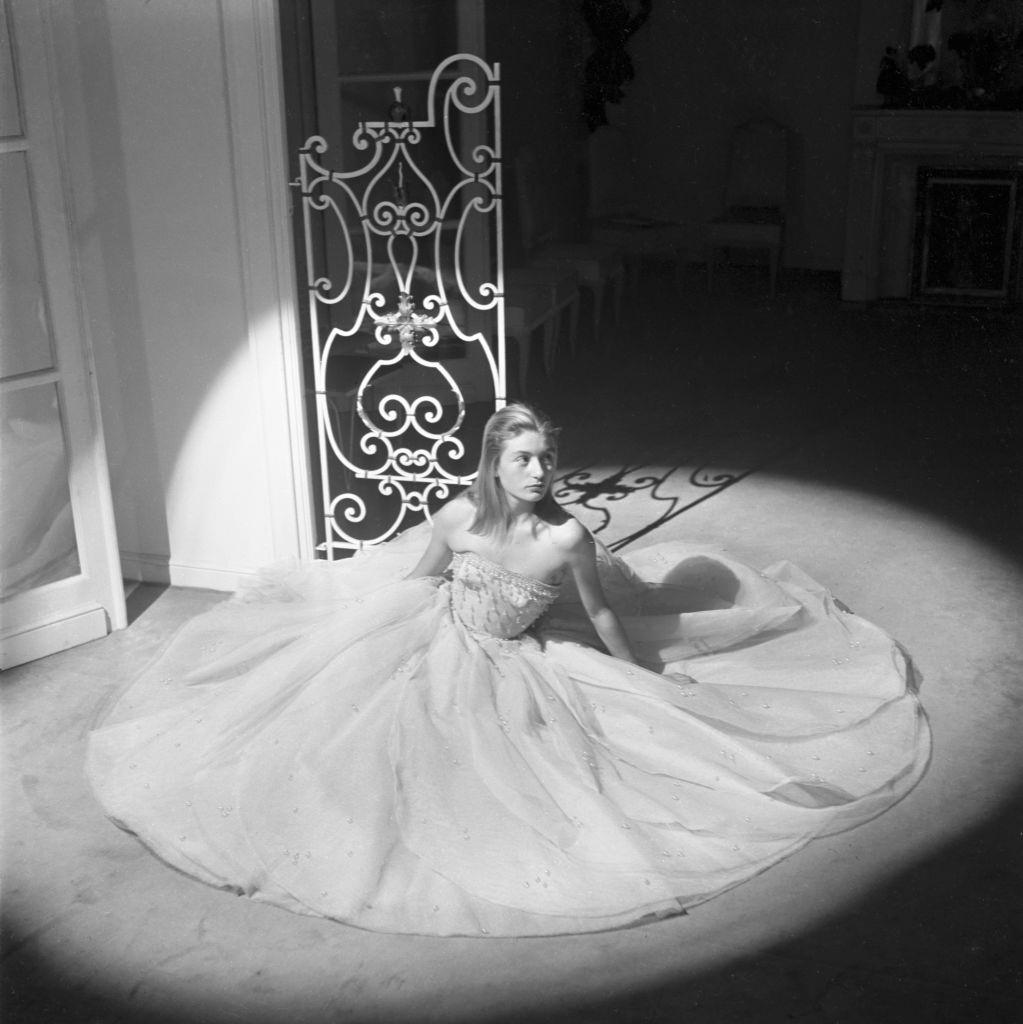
377,212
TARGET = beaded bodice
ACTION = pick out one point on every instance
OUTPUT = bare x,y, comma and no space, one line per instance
488,598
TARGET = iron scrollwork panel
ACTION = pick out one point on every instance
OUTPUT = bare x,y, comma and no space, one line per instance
405,303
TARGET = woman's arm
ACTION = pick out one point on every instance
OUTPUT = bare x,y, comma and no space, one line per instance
582,560
435,558
437,555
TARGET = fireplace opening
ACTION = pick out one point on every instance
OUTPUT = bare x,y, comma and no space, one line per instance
967,235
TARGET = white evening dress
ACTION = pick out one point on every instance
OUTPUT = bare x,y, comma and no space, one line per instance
455,756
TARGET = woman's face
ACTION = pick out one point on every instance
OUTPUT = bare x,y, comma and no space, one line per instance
526,466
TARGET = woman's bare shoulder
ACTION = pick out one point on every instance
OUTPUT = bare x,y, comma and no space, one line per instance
569,534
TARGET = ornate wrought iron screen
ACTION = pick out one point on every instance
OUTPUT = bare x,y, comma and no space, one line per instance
403,257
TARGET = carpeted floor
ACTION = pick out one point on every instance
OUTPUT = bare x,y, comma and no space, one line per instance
878,449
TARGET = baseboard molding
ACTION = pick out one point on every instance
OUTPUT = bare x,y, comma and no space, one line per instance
149,568
68,630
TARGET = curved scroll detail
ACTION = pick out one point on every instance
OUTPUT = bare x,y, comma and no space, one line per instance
404,280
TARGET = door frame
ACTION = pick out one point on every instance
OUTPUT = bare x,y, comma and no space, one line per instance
85,606
255,97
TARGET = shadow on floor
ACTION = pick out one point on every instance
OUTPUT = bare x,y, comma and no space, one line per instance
141,597
932,396
962,907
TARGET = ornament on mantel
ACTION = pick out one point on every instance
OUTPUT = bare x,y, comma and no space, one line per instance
399,111
609,66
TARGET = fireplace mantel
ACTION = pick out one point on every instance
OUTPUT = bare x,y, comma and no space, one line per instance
888,148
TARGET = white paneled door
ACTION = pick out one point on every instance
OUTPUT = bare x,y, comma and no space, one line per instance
60,576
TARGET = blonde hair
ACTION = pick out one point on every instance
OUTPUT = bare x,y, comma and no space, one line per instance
493,516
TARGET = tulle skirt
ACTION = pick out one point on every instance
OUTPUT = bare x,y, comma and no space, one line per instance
336,742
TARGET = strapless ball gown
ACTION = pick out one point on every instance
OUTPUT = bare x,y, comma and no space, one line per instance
456,755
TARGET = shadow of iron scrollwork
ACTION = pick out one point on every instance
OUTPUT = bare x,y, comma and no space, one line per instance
593,490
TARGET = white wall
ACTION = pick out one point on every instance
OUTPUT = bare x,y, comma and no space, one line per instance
180,274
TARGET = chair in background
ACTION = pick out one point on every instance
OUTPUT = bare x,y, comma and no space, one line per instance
755,194
595,264
617,215
535,298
